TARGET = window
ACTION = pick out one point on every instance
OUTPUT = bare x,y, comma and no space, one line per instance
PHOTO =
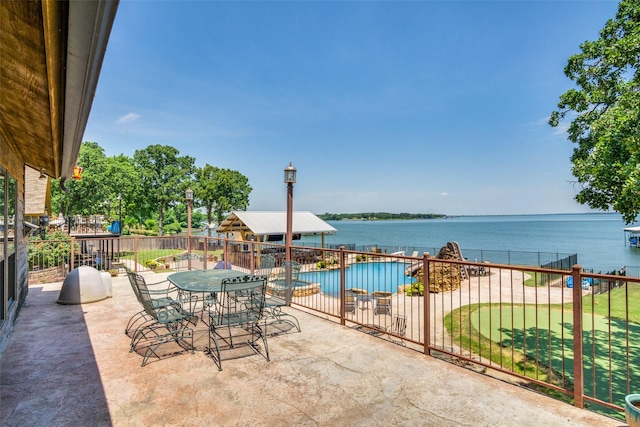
8,203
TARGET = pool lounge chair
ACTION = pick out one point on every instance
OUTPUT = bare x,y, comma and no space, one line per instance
382,306
350,303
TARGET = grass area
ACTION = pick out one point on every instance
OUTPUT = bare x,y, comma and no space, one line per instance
460,325
537,279
546,336
614,303
145,255
538,343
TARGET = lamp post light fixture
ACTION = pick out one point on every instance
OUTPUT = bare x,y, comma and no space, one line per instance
189,196
289,179
119,213
119,222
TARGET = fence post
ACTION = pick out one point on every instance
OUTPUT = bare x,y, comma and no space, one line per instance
427,303
73,255
204,252
225,254
135,254
342,290
252,260
578,362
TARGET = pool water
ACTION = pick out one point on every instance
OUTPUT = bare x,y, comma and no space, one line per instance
372,276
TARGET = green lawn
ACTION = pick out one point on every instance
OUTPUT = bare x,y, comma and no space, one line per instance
146,255
539,343
546,335
616,301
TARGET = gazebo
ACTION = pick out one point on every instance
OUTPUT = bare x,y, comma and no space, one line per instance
272,226
263,226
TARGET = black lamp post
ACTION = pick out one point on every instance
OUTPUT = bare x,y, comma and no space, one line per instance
189,196
289,179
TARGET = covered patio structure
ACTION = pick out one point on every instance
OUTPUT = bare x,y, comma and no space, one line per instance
271,226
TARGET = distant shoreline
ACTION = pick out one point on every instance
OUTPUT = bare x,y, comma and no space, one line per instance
378,216
386,216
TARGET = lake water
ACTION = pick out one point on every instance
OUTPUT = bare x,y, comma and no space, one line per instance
597,238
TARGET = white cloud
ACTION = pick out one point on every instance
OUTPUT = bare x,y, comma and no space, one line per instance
128,118
561,128
444,194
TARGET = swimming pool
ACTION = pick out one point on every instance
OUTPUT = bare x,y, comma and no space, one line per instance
372,276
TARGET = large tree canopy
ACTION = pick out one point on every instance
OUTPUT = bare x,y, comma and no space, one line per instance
85,196
605,111
220,191
164,177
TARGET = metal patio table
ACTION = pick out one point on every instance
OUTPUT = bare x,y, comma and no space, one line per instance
206,282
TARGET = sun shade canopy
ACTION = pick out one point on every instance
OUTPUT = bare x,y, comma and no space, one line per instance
273,223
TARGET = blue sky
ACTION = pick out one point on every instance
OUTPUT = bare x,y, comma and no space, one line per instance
417,106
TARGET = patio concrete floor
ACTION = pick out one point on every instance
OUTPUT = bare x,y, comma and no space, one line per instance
69,365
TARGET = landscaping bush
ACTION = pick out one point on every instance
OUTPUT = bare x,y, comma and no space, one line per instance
416,289
53,251
151,264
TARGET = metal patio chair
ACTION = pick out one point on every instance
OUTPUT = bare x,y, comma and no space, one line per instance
160,297
165,324
238,316
398,329
276,298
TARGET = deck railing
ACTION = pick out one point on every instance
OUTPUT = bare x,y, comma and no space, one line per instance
571,333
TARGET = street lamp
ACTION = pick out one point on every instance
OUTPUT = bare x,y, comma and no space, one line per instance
119,222
119,213
289,179
189,196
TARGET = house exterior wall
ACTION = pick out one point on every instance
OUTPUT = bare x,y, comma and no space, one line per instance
13,262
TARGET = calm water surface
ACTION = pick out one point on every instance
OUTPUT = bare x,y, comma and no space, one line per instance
597,238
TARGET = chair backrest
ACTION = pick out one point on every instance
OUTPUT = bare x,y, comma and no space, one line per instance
142,292
267,264
384,302
243,300
132,280
399,325
295,268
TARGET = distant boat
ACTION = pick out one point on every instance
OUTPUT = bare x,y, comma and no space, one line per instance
634,236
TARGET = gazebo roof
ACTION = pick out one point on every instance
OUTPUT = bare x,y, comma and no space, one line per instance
274,223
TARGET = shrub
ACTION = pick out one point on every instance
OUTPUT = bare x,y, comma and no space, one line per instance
416,289
321,264
152,264
52,251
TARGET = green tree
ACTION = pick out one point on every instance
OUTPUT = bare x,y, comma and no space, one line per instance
84,196
122,180
220,191
107,185
164,178
605,111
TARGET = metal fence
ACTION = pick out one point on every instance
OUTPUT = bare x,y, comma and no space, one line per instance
569,333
